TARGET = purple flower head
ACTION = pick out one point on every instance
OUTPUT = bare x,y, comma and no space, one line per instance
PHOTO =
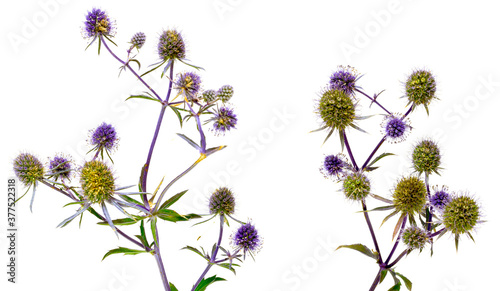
171,45
104,136
189,82
60,167
224,120
247,238
138,40
97,22
395,128
344,79
440,199
334,167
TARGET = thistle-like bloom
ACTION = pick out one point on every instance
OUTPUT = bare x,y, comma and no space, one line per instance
29,170
461,215
334,167
344,79
60,168
138,40
224,119
421,88
103,138
337,109
171,45
225,93
395,128
189,83
209,96
426,157
222,201
97,23
440,199
247,238
409,196
356,186
415,238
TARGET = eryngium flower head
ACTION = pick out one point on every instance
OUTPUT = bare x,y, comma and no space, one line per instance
97,181
189,82
461,214
104,136
138,40
209,96
344,79
225,93
409,195
415,238
356,186
247,238
426,157
337,109
60,167
171,45
224,120
222,201
395,128
440,199
420,88
97,22
334,166
28,169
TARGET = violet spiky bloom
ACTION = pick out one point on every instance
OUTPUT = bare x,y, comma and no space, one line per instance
247,239
189,82
28,169
222,201
104,136
60,167
171,45
224,120
344,79
440,199
395,128
334,166
97,22
225,93
138,40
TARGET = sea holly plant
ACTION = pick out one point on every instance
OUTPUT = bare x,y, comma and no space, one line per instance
422,213
92,187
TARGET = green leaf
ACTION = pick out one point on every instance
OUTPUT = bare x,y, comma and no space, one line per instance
143,97
172,200
398,226
407,282
123,221
228,266
382,275
193,66
358,128
381,198
362,249
193,249
131,200
207,281
389,216
125,251
319,129
342,139
172,287
378,158
397,283
171,215
383,208
160,64
176,111
189,141
153,230
396,287
143,237
136,61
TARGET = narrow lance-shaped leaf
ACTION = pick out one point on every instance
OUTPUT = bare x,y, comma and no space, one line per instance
125,251
362,249
207,281
172,200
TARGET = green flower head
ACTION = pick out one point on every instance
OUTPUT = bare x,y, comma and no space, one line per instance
356,186
461,215
337,109
415,238
222,201
28,169
426,157
421,88
97,181
409,195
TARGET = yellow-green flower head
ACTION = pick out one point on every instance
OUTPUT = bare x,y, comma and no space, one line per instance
97,181
356,186
337,109
421,88
28,169
461,215
426,157
415,238
409,195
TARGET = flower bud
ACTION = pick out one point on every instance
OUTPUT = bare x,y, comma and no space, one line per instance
28,169
409,195
222,201
138,40
426,157
415,238
97,181
421,88
171,45
356,186
337,109
225,93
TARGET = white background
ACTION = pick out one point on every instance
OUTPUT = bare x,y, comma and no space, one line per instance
277,55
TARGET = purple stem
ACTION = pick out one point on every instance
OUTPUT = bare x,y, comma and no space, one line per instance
397,259
202,135
349,151
376,281
373,153
214,255
159,262
437,232
126,64
372,233
397,240
374,101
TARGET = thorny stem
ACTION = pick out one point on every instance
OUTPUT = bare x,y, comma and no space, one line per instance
374,101
159,262
214,255
350,152
397,240
126,64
